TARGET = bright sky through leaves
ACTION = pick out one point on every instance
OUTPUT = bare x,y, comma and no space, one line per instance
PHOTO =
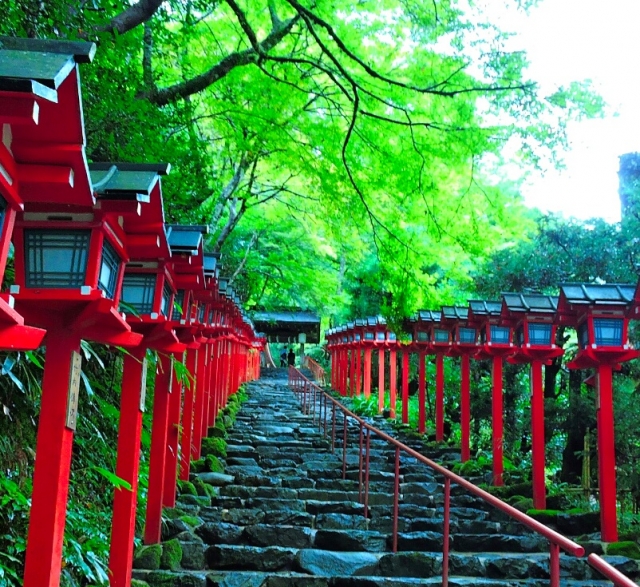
584,39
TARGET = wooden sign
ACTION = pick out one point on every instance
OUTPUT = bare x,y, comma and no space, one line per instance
143,384
74,389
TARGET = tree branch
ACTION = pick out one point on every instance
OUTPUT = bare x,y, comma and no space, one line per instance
164,96
252,243
133,16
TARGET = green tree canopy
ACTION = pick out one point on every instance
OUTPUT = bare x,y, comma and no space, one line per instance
373,131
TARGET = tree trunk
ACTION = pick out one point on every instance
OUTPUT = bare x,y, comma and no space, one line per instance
576,427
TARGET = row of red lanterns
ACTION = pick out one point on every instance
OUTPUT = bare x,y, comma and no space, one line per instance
94,260
520,328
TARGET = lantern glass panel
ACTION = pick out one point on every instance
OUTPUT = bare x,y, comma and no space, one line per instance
467,335
178,302
358,338
138,291
423,336
608,331
540,334
109,267
518,335
441,335
379,335
483,335
56,258
201,313
583,335
368,336
499,334
165,304
344,339
392,336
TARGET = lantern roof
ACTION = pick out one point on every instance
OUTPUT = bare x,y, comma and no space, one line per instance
359,322
351,325
39,66
39,86
533,303
210,264
597,294
485,308
428,316
120,189
185,239
126,181
454,313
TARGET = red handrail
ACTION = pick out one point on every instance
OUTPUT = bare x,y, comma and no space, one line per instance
611,573
315,368
299,383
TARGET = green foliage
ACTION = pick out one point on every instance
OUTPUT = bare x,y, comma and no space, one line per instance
364,406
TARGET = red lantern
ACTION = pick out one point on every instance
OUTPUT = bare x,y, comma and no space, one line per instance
532,317
600,314
495,344
464,344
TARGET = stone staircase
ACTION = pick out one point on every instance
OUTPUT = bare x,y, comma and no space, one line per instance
282,516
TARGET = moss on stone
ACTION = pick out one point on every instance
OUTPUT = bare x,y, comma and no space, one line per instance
186,488
521,503
213,464
173,513
628,548
165,579
147,557
217,431
198,466
629,535
214,446
470,468
544,516
193,521
199,486
171,555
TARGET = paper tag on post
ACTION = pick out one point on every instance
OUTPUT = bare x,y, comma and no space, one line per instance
74,389
143,384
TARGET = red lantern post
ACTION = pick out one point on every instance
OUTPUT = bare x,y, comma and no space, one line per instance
495,344
422,345
69,255
368,342
381,344
464,345
532,317
147,295
600,314
440,339
358,334
392,343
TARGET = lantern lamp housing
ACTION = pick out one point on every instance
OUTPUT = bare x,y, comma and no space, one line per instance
600,313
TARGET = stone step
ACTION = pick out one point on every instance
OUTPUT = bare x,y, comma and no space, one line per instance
292,579
286,517
324,562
